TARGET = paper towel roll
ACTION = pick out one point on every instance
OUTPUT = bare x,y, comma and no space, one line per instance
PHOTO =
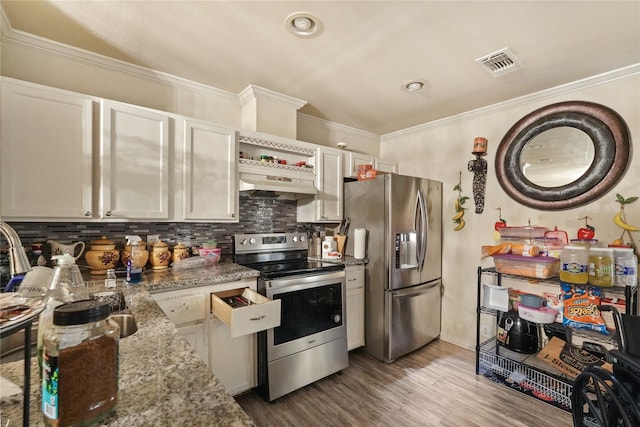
359,243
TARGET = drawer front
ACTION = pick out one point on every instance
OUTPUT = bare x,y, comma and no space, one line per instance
260,315
184,309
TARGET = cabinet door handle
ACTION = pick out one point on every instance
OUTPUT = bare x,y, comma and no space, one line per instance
262,316
87,213
107,213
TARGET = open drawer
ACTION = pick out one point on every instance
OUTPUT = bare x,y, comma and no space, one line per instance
245,311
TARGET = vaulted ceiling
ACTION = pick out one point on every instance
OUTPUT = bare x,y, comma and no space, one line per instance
353,69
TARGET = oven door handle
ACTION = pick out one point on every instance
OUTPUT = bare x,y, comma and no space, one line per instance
295,283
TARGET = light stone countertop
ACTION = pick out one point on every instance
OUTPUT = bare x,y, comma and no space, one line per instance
163,382
346,260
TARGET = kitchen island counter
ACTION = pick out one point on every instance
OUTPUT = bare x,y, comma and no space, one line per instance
163,382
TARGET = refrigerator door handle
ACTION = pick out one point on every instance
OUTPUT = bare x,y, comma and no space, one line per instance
421,228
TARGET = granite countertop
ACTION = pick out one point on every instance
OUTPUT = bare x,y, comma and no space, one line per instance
346,260
163,382
162,379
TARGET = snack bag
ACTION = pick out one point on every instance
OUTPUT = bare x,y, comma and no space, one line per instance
581,308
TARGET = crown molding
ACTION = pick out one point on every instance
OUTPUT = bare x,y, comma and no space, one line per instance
598,79
253,91
338,127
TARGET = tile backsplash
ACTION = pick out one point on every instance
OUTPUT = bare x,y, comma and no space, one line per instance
257,215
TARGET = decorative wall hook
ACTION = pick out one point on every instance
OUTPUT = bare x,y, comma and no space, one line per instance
479,169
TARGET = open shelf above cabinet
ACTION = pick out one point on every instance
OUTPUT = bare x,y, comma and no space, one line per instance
287,156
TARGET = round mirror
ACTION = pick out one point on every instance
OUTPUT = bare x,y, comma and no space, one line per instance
557,157
563,155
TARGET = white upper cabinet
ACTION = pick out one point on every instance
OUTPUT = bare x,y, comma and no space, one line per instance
46,153
326,206
210,173
386,167
353,160
134,162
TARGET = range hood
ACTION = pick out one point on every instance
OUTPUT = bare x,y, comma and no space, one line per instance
276,186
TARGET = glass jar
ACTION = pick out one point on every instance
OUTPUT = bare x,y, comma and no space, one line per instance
574,264
80,365
66,285
601,267
110,281
626,267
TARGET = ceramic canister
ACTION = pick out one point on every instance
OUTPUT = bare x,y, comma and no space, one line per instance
180,251
102,255
160,256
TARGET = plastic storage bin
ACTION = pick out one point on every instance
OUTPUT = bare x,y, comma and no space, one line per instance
538,267
526,232
537,315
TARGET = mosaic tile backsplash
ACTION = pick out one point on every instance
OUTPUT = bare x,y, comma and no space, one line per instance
257,215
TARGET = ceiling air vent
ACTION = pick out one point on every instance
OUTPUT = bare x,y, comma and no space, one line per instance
500,62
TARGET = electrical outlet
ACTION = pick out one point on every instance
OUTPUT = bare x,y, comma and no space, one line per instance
151,239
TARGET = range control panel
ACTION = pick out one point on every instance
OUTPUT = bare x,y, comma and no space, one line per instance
269,242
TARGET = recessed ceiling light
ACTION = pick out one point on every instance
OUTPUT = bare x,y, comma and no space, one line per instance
414,85
303,24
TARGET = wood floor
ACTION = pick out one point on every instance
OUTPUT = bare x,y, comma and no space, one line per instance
433,386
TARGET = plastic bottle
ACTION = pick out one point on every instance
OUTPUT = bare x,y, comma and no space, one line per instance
134,267
574,265
80,364
66,285
601,267
626,267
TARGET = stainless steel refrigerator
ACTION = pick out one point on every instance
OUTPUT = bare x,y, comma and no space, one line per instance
403,286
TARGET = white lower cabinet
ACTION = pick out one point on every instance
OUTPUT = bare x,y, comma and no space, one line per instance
196,336
355,306
232,360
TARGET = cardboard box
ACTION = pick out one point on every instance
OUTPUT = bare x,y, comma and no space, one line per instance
570,359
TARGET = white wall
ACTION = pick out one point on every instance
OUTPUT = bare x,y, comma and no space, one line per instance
441,149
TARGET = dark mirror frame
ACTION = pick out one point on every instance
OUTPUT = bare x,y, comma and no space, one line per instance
612,147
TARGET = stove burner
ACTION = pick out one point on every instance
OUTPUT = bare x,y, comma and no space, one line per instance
285,269
278,255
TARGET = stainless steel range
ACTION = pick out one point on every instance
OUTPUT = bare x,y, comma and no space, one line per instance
311,341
